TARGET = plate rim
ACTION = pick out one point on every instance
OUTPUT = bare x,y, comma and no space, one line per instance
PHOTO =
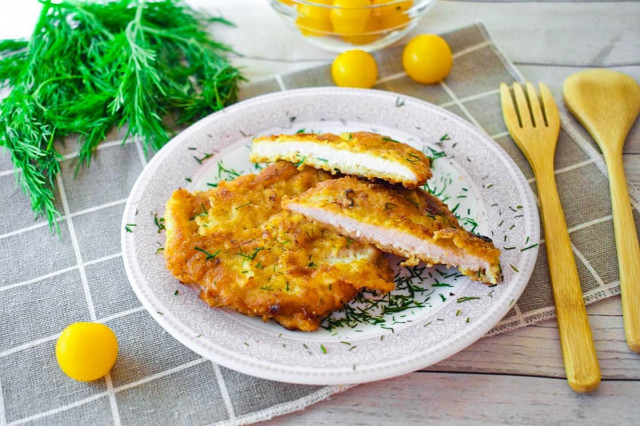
322,376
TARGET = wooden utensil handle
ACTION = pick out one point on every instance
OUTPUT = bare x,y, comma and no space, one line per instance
578,350
628,250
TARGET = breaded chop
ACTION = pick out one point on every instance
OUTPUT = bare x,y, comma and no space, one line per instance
409,223
245,253
359,153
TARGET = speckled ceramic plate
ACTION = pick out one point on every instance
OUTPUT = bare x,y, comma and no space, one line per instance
434,313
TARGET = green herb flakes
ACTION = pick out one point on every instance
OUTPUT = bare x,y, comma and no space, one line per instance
209,256
466,299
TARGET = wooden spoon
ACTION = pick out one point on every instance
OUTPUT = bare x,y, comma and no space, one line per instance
607,103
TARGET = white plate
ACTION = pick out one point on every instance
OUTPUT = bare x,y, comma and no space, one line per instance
477,176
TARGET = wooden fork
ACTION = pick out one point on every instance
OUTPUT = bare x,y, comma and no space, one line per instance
534,126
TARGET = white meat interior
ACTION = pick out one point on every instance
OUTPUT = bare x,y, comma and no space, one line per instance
390,237
343,160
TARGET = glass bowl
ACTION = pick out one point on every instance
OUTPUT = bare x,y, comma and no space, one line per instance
341,25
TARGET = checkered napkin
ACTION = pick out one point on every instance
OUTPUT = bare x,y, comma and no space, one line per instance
47,283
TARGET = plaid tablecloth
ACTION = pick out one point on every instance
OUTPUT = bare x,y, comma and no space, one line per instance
47,282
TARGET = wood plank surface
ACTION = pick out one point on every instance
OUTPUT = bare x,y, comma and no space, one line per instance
455,399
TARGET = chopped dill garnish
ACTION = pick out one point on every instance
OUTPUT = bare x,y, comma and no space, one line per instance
323,349
399,102
514,268
311,265
251,256
349,241
301,162
243,205
388,139
444,299
175,293
209,256
299,131
230,173
466,299
159,222
433,155
128,226
201,159
412,158
159,250
212,184
529,247
188,179
324,160
445,137
508,248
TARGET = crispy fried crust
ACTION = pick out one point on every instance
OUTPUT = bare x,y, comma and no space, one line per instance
409,223
366,154
245,253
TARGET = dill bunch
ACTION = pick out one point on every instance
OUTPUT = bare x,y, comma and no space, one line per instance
91,66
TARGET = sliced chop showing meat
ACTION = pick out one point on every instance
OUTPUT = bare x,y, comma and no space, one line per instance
237,245
409,223
366,154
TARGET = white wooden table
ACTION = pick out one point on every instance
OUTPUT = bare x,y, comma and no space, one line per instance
518,377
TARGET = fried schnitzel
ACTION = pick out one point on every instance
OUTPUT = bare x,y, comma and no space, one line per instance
245,253
409,223
366,154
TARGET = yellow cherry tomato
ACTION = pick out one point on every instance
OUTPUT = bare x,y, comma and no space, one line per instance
370,34
86,351
390,7
349,17
314,21
354,68
427,58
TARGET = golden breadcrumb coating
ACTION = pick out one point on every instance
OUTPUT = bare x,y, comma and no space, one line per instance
409,223
366,154
245,253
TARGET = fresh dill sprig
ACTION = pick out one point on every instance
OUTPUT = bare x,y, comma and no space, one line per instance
90,66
